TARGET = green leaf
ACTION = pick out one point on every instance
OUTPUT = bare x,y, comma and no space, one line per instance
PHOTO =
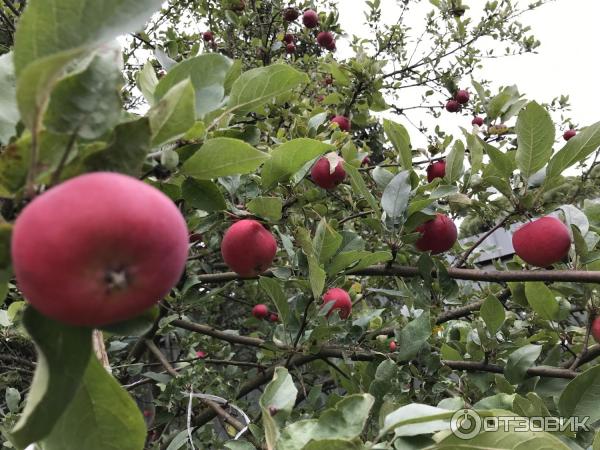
207,74
400,139
276,404
502,102
535,136
173,115
455,162
519,361
335,444
542,300
359,186
500,161
102,416
257,86
220,157
42,52
503,440
289,158
203,194
415,419
147,81
231,445
396,195
316,276
64,353
493,314
581,396
412,337
276,294
9,113
127,150
326,241
88,102
576,149
268,207
345,421
475,151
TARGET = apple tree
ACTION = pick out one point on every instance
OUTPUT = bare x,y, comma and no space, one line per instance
227,224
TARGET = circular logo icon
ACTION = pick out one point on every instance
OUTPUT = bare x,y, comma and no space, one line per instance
465,424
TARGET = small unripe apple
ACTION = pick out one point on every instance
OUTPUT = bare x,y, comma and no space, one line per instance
248,248
392,346
462,96
289,38
436,170
310,18
201,355
273,317
322,175
290,49
325,38
343,122
208,36
452,106
260,311
290,14
99,248
477,121
596,329
437,235
341,301
569,134
542,242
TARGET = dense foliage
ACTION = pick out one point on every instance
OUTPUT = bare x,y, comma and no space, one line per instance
369,337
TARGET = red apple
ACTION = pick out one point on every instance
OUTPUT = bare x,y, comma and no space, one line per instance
290,14
452,106
328,80
260,311
542,242
290,49
99,248
437,235
366,161
462,96
325,39
201,355
310,18
331,46
477,121
392,346
436,170
248,248
342,302
289,38
569,134
238,5
273,317
596,328
322,175
343,122
208,36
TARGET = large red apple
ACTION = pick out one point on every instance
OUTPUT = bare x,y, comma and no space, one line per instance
322,174
343,122
542,242
260,311
310,18
436,170
325,39
452,106
290,14
99,248
596,328
248,248
342,302
462,96
437,235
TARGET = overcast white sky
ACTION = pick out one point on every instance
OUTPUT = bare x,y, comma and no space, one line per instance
566,63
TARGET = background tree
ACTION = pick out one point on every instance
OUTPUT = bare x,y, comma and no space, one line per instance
370,325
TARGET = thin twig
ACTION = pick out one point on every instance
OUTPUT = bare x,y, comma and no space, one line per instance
461,261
